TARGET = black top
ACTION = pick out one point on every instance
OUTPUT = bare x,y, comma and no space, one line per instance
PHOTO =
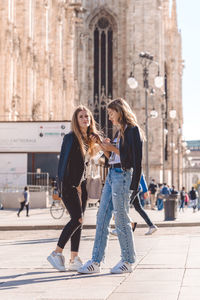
130,149
75,165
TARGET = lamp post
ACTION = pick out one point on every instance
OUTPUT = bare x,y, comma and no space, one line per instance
145,60
164,133
172,115
178,161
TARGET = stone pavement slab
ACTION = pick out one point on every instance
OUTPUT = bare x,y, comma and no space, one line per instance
158,274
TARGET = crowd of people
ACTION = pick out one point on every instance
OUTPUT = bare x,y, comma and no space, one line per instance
159,192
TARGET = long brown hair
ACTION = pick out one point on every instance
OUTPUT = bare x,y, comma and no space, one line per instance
85,143
126,115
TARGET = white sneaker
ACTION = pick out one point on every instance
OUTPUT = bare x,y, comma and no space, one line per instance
90,267
151,230
75,264
122,267
113,232
57,261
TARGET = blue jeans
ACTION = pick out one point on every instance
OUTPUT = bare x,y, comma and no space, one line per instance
115,198
160,203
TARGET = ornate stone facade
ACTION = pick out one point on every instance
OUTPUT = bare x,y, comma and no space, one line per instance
55,54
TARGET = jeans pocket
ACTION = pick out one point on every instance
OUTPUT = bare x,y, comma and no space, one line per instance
119,170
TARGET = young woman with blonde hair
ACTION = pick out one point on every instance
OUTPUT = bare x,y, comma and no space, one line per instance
77,146
125,162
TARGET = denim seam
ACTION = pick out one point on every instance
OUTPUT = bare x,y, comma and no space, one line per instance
103,224
125,227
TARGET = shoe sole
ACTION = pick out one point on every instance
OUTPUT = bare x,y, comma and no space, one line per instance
151,232
88,272
115,234
73,268
51,261
121,272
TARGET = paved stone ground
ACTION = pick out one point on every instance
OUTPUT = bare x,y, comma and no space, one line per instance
42,217
168,267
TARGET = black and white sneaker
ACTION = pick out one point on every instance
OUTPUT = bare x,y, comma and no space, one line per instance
122,267
90,267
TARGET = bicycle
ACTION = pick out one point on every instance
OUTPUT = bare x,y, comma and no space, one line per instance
57,208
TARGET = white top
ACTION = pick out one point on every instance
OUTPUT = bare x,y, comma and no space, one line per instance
115,158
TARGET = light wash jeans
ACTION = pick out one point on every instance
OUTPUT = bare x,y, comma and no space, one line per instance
115,198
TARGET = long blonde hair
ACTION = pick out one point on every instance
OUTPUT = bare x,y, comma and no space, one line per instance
126,115
85,144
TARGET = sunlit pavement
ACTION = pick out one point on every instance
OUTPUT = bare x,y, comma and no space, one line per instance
41,219
167,267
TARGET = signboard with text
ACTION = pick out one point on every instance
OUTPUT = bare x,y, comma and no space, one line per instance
32,136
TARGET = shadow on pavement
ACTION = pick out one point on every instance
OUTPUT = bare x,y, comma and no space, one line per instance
37,241
17,283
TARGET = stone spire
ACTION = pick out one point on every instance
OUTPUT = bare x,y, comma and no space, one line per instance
174,15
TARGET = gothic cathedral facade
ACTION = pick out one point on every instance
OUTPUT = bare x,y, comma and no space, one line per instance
56,54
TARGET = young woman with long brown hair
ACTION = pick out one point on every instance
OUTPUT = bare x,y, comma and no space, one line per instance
125,162
77,146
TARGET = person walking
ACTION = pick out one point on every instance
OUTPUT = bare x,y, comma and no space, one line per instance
125,161
182,198
173,191
160,204
187,199
138,207
165,190
25,202
77,148
193,198
153,190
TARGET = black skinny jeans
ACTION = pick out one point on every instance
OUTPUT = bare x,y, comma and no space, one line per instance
76,209
22,207
138,207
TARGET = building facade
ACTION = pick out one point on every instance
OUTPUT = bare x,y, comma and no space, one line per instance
56,54
191,160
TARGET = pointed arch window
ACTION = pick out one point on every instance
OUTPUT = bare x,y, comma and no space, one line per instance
103,62
103,57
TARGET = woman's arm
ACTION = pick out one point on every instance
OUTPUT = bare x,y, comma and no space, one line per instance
101,145
64,154
106,144
136,150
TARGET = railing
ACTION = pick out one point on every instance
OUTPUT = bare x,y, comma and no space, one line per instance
15,182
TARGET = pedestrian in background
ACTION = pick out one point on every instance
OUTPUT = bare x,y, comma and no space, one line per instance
165,190
125,160
153,189
193,198
138,207
25,202
173,190
186,200
160,197
182,198
77,148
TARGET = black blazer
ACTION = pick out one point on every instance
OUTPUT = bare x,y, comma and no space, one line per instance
71,162
130,149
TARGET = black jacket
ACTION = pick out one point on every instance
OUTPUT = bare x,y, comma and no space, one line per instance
130,149
71,162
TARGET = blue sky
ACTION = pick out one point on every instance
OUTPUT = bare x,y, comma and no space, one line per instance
189,23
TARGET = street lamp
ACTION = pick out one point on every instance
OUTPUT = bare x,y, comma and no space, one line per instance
172,115
145,60
164,134
178,152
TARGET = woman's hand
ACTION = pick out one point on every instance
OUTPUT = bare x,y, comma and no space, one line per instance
107,146
95,138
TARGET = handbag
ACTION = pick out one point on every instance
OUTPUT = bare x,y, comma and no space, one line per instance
94,187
